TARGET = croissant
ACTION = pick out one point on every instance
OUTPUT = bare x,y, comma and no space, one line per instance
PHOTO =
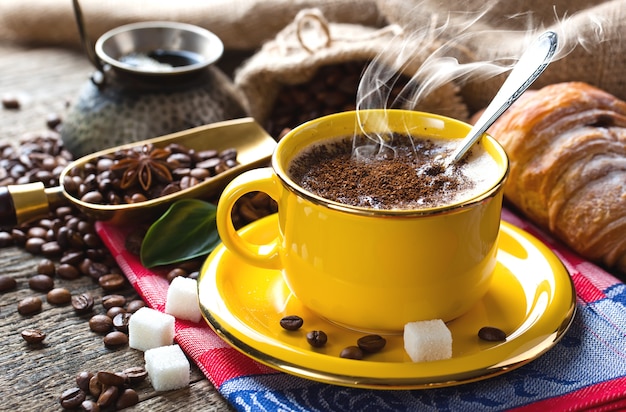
567,148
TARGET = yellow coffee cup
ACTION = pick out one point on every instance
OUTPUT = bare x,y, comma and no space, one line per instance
373,269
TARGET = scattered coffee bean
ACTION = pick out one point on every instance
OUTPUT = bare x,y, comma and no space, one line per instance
72,398
53,120
59,296
89,406
95,387
135,375
114,311
126,399
110,301
100,324
316,338
110,379
5,239
134,305
108,397
491,334
371,343
46,267
29,305
41,283
82,380
291,322
174,273
33,336
120,322
115,339
352,352
10,102
7,283
68,272
82,303
111,281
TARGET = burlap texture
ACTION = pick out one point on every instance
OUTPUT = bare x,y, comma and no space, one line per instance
241,24
592,46
311,42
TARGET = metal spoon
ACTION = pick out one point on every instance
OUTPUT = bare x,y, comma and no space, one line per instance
528,68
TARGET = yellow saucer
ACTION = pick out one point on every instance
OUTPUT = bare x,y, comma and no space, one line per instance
532,299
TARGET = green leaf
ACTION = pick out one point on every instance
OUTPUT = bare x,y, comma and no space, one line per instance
185,231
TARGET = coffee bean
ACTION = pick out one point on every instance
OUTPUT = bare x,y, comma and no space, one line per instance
120,322
92,197
95,387
82,303
7,283
109,301
174,273
46,267
89,406
33,336
110,379
100,324
41,283
82,380
53,120
115,339
29,305
352,352
111,281
67,271
51,249
33,245
72,398
114,311
316,338
108,397
59,296
135,375
133,241
371,343
72,258
10,102
134,305
291,322
5,239
491,334
127,398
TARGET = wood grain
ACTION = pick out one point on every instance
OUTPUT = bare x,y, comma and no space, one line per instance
33,377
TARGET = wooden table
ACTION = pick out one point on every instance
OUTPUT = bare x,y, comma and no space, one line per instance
33,377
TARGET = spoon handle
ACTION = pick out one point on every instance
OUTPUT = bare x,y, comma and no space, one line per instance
528,68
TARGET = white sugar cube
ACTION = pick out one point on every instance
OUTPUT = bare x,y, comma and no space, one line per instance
168,368
182,299
427,340
149,328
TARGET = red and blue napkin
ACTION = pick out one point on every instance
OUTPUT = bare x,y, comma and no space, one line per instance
585,370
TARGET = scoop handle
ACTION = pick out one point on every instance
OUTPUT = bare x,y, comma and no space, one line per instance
22,203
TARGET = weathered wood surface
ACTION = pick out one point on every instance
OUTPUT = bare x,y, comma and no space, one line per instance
33,377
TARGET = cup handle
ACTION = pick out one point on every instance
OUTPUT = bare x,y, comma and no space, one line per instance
261,180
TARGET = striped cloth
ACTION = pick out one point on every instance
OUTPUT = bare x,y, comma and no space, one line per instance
586,370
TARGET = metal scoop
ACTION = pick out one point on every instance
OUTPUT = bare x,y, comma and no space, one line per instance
22,203
529,67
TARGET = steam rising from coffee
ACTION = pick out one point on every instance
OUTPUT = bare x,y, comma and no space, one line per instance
456,48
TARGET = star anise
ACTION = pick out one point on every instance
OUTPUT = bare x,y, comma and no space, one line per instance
143,165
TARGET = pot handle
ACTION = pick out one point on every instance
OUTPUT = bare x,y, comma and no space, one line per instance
21,203
98,77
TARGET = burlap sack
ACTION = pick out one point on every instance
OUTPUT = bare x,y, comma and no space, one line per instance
592,46
310,43
241,24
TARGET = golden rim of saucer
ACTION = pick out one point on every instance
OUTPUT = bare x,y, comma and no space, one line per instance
532,298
